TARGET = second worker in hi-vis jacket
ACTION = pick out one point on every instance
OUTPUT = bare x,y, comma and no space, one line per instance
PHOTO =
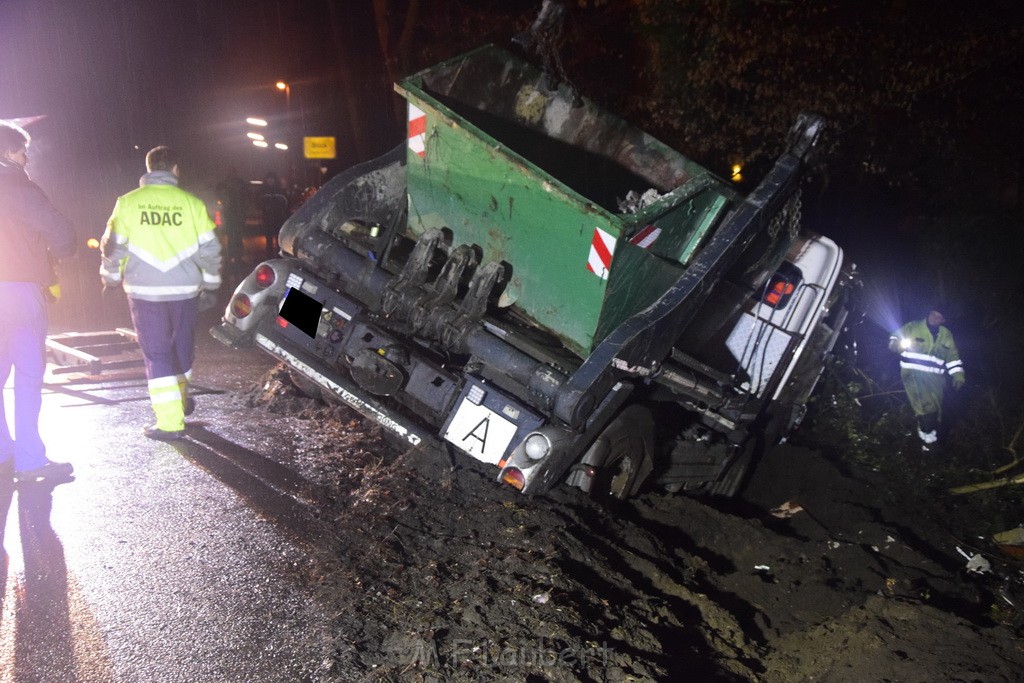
160,245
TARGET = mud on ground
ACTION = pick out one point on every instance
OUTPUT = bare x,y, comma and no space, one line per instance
441,574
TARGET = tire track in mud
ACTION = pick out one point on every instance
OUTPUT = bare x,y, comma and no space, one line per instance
436,573
658,589
459,583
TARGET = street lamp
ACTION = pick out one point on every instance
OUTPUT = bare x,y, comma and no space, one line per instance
281,85
287,89
253,121
289,126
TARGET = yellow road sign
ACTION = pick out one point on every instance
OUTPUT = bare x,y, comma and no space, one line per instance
318,148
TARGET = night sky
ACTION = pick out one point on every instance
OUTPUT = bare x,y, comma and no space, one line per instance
114,78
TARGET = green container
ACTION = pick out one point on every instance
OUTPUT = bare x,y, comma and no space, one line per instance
535,178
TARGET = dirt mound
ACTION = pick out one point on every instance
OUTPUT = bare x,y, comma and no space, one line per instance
438,573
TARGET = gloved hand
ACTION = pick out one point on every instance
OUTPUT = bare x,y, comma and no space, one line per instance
958,381
207,300
110,289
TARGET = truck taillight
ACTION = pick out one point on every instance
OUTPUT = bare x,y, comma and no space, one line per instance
781,286
778,293
241,306
513,477
265,276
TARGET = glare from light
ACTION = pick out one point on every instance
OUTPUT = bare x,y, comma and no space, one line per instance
536,446
281,145
255,136
253,121
905,344
281,85
737,173
882,303
260,143
92,243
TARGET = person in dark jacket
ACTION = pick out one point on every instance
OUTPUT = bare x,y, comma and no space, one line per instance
273,203
31,230
233,195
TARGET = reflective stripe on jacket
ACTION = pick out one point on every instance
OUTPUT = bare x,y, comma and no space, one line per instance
161,243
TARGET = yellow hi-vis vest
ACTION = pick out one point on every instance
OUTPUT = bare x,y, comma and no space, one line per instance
160,243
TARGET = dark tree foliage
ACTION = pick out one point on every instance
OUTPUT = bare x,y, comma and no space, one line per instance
921,176
918,94
898,80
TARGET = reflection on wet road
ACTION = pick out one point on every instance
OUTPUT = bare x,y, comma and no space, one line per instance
160,562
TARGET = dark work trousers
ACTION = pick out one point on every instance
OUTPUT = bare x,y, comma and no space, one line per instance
166,332
23,348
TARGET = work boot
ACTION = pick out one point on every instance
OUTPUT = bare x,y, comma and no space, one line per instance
152,432
190,405
51,472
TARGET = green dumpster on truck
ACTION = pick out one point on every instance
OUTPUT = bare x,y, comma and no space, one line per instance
535,180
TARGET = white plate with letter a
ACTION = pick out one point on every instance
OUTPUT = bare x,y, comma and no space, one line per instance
480,432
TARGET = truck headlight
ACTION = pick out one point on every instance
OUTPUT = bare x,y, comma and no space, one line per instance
536,446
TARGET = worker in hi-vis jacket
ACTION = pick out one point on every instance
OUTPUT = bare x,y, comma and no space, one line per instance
160,246
927,355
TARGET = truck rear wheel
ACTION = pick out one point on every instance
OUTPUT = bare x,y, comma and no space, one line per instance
735,475
626,463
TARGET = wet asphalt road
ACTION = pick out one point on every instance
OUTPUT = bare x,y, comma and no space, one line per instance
162,562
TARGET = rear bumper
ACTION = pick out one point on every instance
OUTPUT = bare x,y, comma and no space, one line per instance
231,336
347,392
420,399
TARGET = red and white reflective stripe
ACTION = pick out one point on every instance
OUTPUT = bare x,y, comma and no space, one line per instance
601,249
646,237
417,130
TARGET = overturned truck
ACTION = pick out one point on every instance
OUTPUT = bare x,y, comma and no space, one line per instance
542,286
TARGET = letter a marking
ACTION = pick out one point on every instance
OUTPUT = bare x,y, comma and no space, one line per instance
474,433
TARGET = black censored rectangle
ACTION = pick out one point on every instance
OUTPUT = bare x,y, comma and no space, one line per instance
302,311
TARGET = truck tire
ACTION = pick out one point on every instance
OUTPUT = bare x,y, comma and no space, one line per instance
735,476
627,459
